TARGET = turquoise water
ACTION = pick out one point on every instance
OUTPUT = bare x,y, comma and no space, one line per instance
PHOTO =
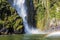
26,37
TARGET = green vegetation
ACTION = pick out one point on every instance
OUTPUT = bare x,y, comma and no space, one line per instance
9,17
46,10
22,37
26,37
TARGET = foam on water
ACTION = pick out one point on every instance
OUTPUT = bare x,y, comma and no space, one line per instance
54,34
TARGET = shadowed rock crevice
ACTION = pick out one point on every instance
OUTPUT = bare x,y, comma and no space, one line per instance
31,13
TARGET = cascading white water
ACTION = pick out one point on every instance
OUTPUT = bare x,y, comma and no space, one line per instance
21,9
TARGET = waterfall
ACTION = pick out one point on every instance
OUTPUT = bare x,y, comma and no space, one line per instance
21,9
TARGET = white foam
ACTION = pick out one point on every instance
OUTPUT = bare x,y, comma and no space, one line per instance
54,34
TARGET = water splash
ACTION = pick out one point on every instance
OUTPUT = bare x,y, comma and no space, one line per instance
54,34
21,9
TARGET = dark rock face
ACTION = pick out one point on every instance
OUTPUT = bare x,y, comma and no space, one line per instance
31,13
10,30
